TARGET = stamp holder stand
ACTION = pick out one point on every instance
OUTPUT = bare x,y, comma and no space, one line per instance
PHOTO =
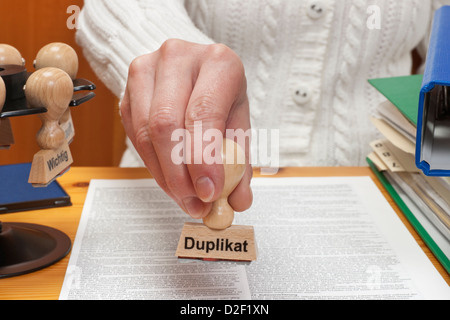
24,247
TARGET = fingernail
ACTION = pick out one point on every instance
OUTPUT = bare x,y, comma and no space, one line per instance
194,207
205,189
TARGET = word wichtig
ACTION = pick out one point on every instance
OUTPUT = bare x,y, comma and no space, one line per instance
54,162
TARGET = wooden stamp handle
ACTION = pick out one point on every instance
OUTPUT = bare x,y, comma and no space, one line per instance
58,55
51,88
10,55
62,56
222,214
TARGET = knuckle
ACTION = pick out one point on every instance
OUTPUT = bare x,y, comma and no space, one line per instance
227,63
172,48
204,109
142,138
139,64
124,110
162,122
219,51
136,64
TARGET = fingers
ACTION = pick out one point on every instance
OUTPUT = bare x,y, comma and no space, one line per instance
153,109
134,110
135,107
172,91
175,95
219,89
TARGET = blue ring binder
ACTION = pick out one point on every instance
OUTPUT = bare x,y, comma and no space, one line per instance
433,123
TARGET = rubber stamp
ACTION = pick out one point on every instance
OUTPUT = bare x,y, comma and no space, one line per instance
62,56
217,238
10,55
53,89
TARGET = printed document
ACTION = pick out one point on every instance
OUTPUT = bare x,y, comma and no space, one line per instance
317,238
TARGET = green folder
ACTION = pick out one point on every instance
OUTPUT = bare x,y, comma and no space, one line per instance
403,92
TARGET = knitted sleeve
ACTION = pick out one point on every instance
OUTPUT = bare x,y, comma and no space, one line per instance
114,32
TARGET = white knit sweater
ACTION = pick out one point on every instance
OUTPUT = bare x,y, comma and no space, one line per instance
307,61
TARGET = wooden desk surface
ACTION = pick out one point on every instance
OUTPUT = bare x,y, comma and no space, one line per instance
47,283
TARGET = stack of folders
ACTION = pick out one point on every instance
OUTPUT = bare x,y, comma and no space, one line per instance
425,201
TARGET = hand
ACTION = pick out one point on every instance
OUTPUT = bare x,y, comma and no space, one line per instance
177,87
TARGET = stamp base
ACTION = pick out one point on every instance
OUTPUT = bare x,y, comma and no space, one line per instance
49,164
236,243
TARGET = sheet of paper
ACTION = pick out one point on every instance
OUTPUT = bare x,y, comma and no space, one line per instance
334,238
317,238
125,249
